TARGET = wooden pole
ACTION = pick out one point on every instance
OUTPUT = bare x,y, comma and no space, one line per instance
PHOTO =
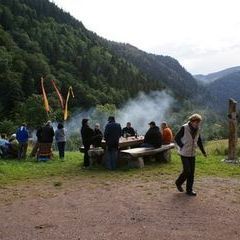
233,137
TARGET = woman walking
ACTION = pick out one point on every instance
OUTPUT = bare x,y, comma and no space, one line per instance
188,139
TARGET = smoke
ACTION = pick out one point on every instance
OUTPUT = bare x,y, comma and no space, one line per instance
145,108
139,111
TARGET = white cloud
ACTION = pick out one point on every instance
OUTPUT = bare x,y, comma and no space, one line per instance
200,34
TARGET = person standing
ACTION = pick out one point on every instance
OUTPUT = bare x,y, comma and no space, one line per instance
22,138
187,139
60,137
47,133
38,140
112,134
87,134
167,136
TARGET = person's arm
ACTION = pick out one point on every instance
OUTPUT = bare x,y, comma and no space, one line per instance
106,132
160,139
200,145
179,136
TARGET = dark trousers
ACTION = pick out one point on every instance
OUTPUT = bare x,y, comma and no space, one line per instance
112,157
187,173
61,149
86,156
22,150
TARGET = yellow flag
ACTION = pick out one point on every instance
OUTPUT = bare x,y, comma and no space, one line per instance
70,91
45,100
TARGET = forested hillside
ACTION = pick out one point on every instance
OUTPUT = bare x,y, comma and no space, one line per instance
39,39
224,88
162,68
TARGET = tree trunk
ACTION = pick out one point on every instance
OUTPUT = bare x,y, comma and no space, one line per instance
233,137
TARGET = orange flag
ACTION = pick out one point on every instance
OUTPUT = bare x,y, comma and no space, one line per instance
59,94
70,92
45,100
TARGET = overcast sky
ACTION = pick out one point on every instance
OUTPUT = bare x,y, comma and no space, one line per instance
204,35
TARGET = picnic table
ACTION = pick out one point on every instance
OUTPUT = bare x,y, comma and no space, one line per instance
125,143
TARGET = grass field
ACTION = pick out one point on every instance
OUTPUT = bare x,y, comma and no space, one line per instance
13,171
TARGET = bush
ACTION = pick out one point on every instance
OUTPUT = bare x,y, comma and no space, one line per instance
7,127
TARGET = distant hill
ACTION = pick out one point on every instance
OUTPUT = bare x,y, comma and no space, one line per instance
224,88
214,76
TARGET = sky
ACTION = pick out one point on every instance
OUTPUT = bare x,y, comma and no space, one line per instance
203,35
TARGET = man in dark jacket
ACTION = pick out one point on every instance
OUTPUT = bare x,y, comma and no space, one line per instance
47,133
22,137
112,134
153,137
128,131
87,134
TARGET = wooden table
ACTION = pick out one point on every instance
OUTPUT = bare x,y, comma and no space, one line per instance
125,143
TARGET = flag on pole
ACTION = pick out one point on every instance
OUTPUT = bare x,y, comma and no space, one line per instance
61,100
70,92
45,100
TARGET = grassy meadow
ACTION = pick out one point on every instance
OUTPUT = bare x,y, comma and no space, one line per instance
14,171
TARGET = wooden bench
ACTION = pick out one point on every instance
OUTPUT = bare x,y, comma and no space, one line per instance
135,156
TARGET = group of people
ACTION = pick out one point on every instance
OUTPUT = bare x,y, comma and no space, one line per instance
187,140
45,136
154,137
17,145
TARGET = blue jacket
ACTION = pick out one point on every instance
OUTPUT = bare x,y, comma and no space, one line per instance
22,135
112,134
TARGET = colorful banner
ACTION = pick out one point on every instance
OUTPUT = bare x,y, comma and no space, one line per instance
45,100
70,92
61,100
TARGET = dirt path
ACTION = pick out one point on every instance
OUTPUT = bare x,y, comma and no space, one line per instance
130,209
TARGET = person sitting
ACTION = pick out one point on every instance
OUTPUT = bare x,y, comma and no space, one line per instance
13,146
128,131
4,145
153,137
167,136
98,136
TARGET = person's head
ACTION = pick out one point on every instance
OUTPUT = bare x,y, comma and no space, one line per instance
111,119
60,126
152,124
24,125
48,123
129,124
195,120
4,136
13,137
164,125
85,122
97,126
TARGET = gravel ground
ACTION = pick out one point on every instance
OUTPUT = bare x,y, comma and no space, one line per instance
127,209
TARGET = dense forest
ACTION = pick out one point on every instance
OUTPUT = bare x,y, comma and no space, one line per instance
38,39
